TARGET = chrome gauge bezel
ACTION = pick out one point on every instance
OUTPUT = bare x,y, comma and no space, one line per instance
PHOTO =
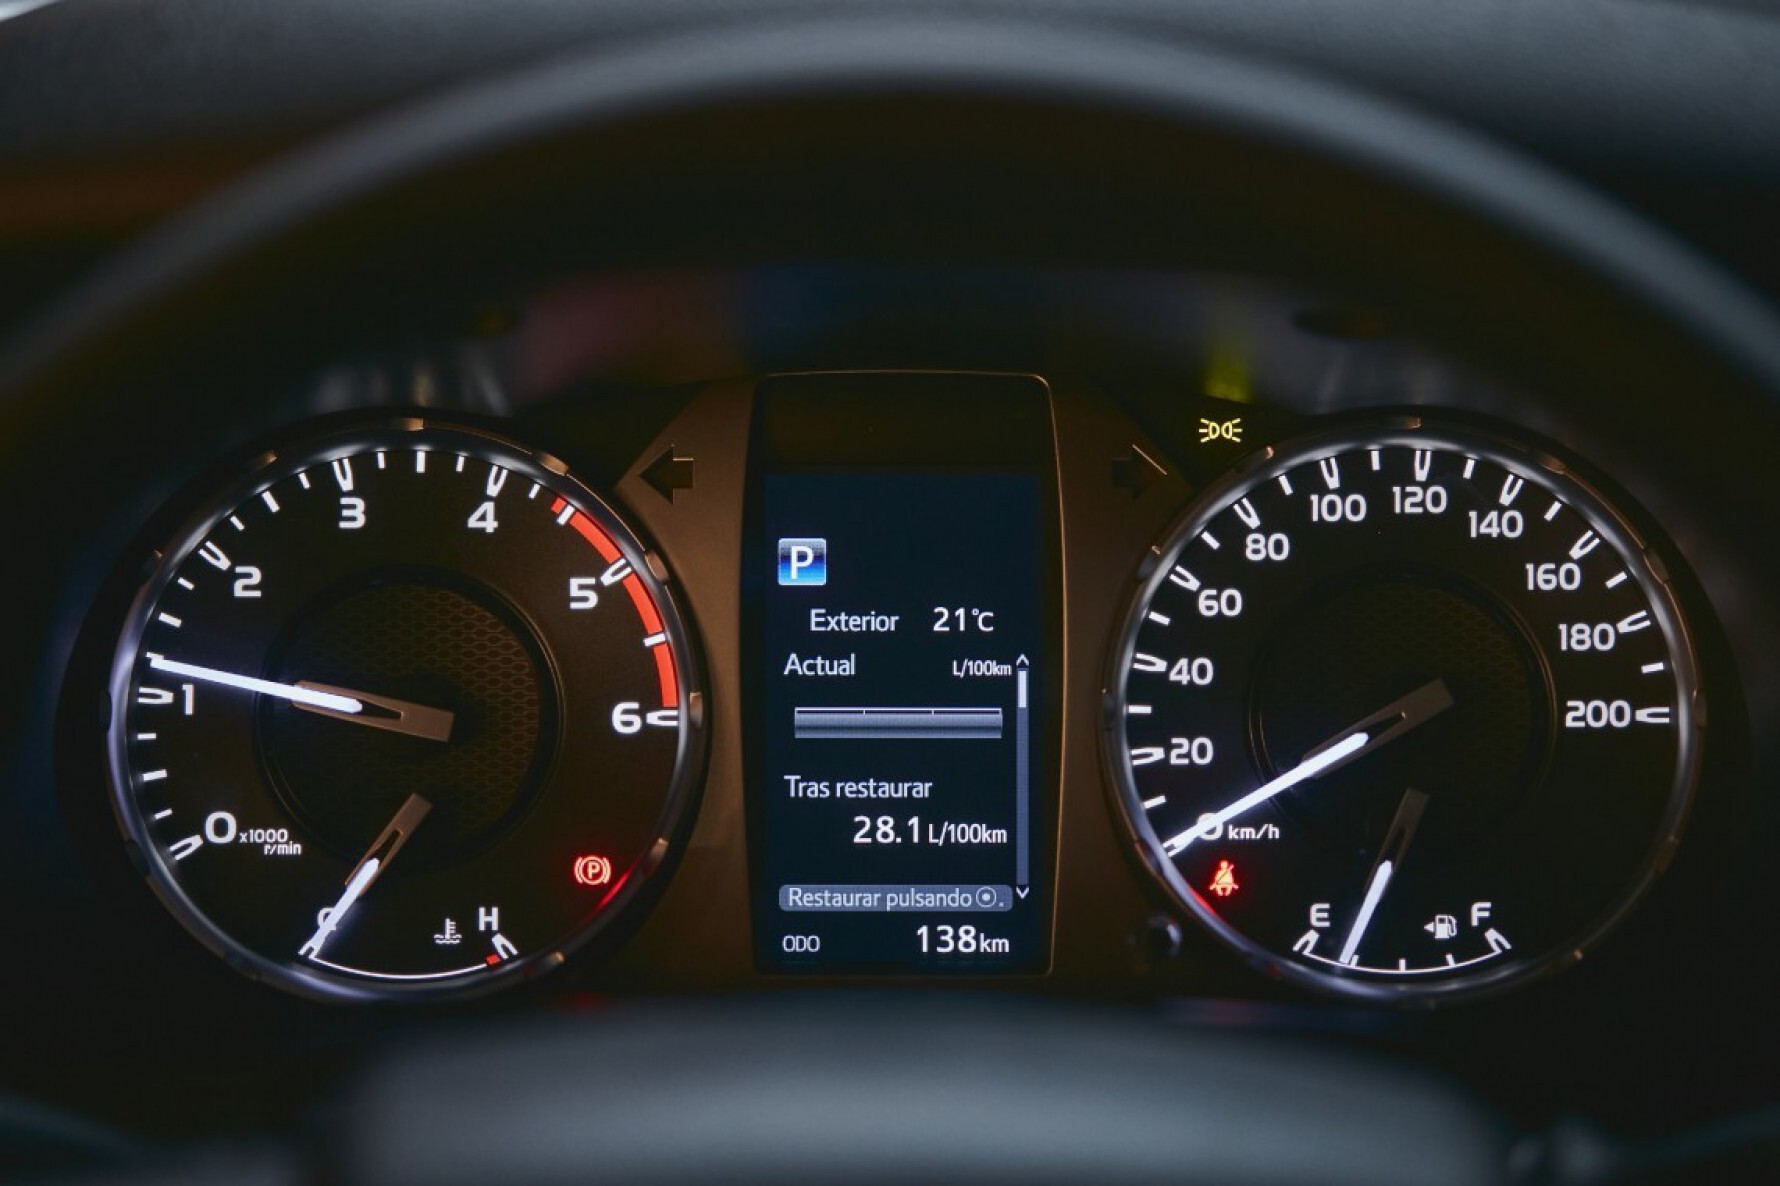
313,447
1496,445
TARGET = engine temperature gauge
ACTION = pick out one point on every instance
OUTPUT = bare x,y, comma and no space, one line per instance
1405,712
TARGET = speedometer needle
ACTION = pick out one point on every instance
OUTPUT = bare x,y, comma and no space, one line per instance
1385,725
369,868
342,704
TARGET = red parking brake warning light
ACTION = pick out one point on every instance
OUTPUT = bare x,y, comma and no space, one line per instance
592,870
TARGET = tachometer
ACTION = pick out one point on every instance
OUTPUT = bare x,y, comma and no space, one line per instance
406,710
1405,710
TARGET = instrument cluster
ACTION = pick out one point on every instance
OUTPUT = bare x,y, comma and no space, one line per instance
868,676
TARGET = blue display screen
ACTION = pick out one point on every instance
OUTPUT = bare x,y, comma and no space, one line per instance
904,778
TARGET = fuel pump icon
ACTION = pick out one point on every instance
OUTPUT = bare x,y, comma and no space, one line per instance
1443,927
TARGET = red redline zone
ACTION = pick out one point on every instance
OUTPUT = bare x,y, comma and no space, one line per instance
602,543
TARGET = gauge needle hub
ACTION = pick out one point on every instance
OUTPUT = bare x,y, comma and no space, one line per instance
1383,726
370,867
342,704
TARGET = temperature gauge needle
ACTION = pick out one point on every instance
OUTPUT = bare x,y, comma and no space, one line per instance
369,868
342,704
1390,859
1385,725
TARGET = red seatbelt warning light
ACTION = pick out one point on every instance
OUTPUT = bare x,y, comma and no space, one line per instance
1223,882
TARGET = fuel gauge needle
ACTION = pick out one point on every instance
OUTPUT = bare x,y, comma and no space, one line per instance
370,866
1384,867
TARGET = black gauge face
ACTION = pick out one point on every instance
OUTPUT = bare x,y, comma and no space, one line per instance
405,711
1405,712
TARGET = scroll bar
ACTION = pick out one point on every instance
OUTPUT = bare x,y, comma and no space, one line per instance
1022,778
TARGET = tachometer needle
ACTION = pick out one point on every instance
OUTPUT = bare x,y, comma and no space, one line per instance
370,867
1385,725
295,693
1390,858
343,704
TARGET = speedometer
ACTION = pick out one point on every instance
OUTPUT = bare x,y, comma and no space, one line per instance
1405,710
403,710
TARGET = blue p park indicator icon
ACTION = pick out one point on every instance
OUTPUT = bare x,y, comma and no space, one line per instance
803,562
